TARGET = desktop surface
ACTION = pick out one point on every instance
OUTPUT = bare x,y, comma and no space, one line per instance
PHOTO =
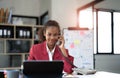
98,74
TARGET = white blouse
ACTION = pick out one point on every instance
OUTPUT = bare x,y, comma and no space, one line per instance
50,53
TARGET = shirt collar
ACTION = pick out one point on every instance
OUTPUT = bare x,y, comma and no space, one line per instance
48,50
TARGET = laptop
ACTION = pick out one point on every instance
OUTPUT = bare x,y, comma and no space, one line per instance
45,69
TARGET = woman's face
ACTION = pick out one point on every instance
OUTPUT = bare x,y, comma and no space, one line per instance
51,34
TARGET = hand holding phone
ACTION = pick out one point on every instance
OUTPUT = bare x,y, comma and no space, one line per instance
60,41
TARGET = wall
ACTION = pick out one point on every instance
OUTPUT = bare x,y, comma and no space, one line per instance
81,3
22,7
45,5
110,63
65,11
109,4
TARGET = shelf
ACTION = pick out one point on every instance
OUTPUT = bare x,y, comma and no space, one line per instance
6,31
14,39
10,68
15,43
23,32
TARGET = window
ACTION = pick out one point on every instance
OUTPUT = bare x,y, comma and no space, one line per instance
86,18
116,33
108,29
104,32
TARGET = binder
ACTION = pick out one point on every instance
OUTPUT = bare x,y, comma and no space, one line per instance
6,16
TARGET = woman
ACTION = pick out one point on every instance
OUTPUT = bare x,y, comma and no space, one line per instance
48,50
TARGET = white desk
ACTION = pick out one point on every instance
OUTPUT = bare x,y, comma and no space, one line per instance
99,74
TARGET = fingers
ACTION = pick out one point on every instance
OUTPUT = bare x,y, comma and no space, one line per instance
61,38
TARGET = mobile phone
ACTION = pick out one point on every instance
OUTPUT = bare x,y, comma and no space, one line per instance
58,42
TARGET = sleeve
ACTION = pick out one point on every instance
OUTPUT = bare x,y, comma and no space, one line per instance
31,54
67,66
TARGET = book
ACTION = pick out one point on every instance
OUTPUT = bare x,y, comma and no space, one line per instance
1,15
6,16
10,16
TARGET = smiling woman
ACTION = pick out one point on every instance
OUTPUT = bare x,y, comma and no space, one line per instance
48,50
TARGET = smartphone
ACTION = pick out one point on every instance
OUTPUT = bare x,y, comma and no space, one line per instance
58,42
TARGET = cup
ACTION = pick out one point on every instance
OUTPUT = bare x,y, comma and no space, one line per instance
1,74
12,73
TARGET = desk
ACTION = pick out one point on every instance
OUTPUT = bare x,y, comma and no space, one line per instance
99,74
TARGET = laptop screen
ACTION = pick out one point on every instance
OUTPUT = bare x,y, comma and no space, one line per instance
42,67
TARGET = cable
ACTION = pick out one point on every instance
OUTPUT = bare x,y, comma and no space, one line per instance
67,59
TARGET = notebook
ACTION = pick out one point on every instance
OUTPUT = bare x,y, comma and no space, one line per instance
42,67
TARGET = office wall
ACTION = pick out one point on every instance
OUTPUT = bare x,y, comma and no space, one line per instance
22,7
109,4
45,5
81,3
110,63
65,11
